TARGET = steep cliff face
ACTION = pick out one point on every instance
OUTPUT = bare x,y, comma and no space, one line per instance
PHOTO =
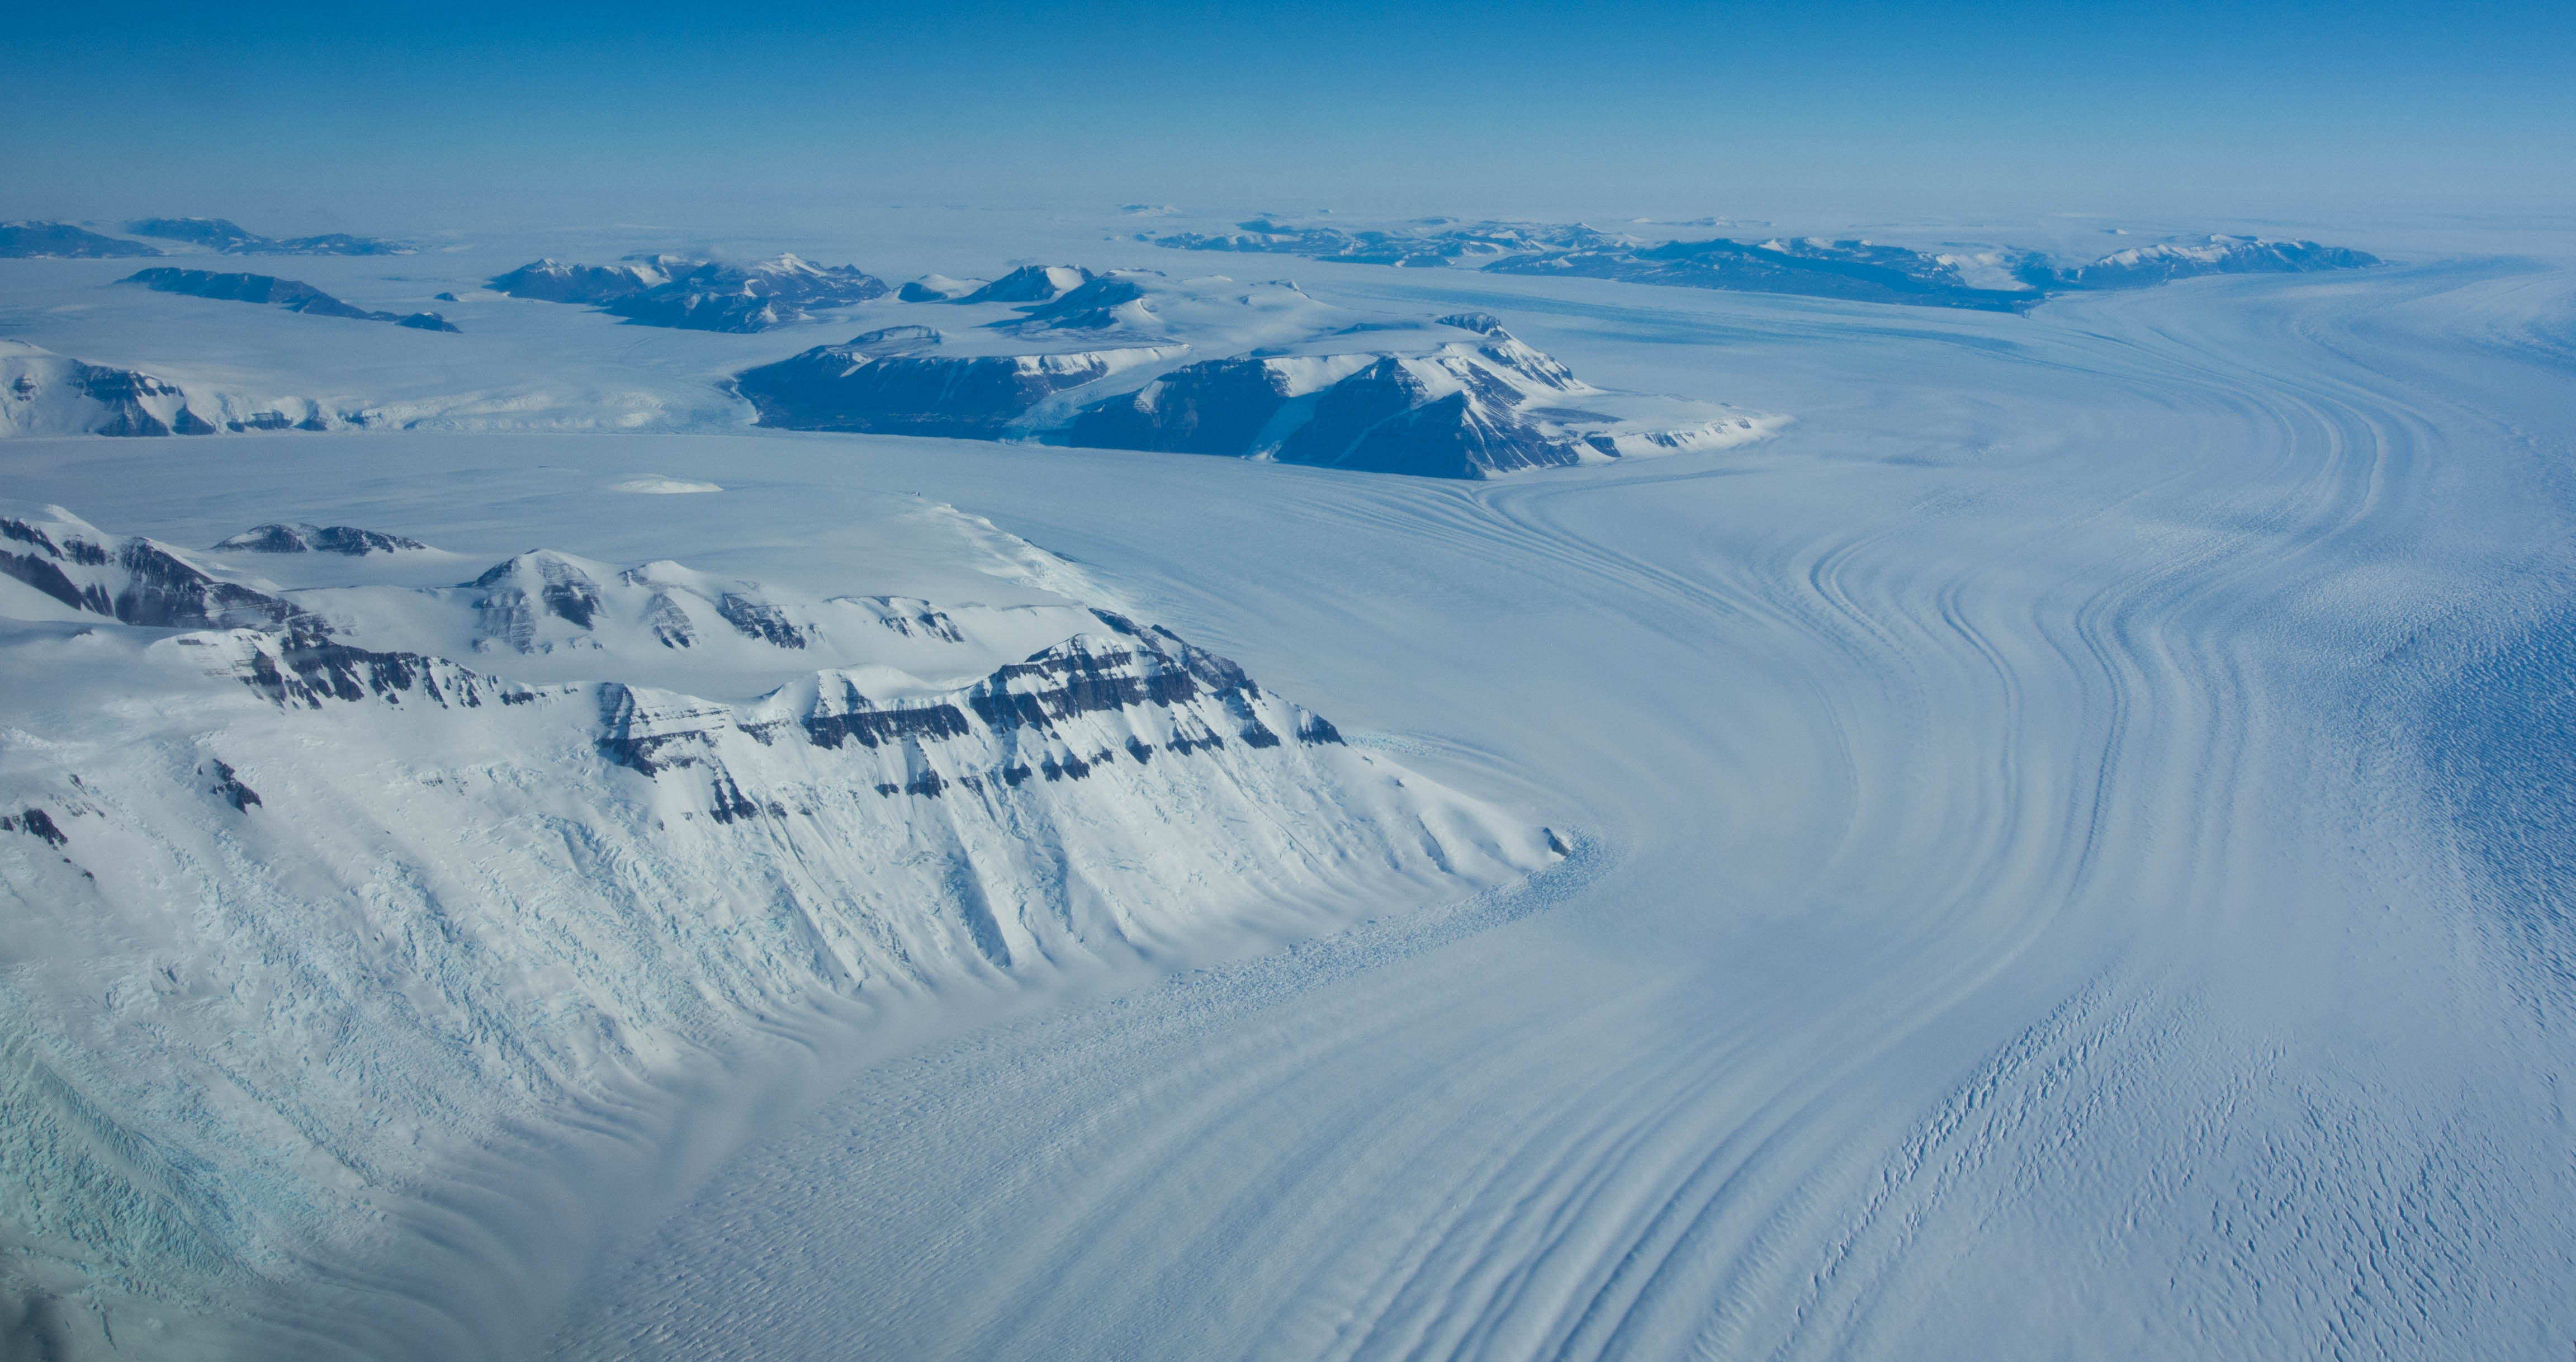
322,906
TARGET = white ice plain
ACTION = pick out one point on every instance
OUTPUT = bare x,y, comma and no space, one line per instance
2067,862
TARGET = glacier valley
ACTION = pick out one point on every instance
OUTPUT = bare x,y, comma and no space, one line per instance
727,809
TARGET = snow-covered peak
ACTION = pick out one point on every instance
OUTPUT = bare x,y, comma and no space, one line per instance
60,566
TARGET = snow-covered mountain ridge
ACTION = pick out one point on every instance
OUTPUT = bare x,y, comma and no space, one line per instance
319,908
1455,397
42,393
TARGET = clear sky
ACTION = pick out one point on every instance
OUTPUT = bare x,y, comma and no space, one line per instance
476,112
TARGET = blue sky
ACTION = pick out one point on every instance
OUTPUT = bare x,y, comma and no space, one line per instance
480,111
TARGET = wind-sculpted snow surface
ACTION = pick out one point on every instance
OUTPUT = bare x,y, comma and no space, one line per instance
320,911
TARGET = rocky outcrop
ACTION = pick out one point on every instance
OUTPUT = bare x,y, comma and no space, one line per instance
232,239
697,295
63,241
291,294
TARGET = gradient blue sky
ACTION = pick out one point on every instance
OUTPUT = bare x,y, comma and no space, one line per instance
476,113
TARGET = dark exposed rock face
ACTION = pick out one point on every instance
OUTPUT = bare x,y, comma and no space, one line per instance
517,593
696,295
232,239
136,581
123,391
849,387
1021,713
62,241
229,786
341,539
302,671
35,823
291,294
755,618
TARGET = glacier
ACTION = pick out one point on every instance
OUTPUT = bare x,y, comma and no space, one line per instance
2056,850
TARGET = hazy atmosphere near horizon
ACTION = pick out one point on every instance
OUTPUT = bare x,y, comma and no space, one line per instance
1313,681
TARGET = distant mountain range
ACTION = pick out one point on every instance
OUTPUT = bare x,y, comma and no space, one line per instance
291,294
233,239
696,295
62,240
1981,278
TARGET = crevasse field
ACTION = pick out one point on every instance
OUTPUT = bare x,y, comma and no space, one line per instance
2060,850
